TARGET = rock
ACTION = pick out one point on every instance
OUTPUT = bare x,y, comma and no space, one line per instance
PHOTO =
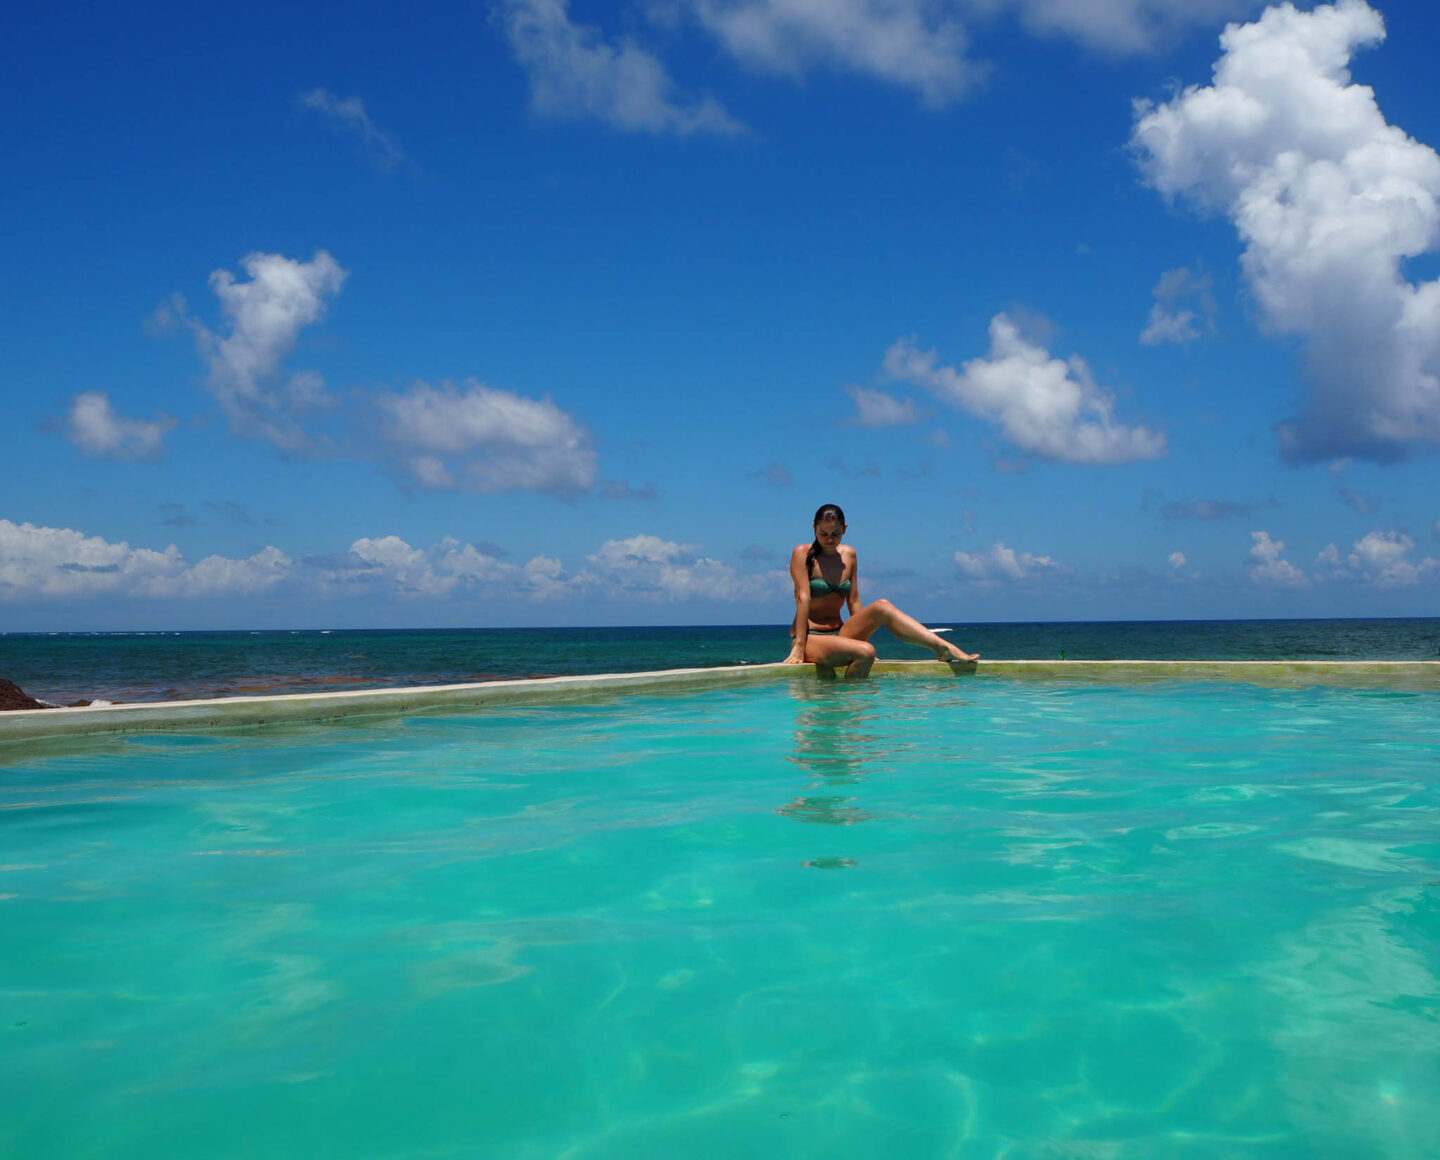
12,696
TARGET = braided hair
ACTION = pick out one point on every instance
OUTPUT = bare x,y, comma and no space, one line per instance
826,511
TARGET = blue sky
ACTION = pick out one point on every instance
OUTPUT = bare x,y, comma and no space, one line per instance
535,313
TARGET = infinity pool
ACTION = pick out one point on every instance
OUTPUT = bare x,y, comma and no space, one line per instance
910,918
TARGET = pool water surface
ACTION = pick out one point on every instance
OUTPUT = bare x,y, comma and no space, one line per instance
903,918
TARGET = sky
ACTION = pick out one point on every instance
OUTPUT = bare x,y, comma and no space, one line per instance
548,313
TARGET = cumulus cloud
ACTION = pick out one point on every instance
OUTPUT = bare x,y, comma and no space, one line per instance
480,438
1001,563
1049,407
1329,200
654,568
1268,564
263,321
62,562
391,566
1381,558
93,425
1176,560
917,44
575,73
349,116
879,409
1184,309
39,563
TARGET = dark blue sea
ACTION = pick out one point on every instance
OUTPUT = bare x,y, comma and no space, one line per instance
159,666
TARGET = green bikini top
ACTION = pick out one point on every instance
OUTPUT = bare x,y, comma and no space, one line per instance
819,586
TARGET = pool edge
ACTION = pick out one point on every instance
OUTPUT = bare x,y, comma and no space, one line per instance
229,712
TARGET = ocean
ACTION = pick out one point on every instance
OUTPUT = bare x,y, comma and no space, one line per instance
161,666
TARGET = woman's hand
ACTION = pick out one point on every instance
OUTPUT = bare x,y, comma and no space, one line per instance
797,655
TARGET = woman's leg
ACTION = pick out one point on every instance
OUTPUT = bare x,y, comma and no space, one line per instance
829,651
863,624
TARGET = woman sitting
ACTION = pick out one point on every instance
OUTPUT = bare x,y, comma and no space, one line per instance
826,576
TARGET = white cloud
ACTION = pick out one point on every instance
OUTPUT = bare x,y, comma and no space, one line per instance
1269,565
39,563
574,73
1118,26
264,318
93,425
217,575
1182,300
483,439
879,409
1383,558
1177,560
1329,201
349,116
61,562
471,564
390,565
1050,407
653,568
918,44
1002,563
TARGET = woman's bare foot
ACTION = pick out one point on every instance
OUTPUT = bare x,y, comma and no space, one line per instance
950,653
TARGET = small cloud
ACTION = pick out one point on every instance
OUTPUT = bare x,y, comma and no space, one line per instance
349,116
1269,566
878,409
1213,509
170,314
938,438
1176,560
1184,309
230,510
621,489
1002,563
1383,559
918,45
93,425
264,318
1357,500
483,439
576,74
1048,407
175,515
775,474
1022,171
1006,466
755,553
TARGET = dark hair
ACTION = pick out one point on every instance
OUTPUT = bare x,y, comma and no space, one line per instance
826,511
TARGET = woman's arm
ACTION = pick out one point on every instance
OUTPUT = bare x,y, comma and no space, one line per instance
801,630
852,602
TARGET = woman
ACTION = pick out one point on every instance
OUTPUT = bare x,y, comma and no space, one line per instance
826,579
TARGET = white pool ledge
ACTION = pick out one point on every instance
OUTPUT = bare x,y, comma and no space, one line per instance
227,712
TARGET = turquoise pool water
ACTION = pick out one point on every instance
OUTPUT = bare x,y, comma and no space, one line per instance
909,918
